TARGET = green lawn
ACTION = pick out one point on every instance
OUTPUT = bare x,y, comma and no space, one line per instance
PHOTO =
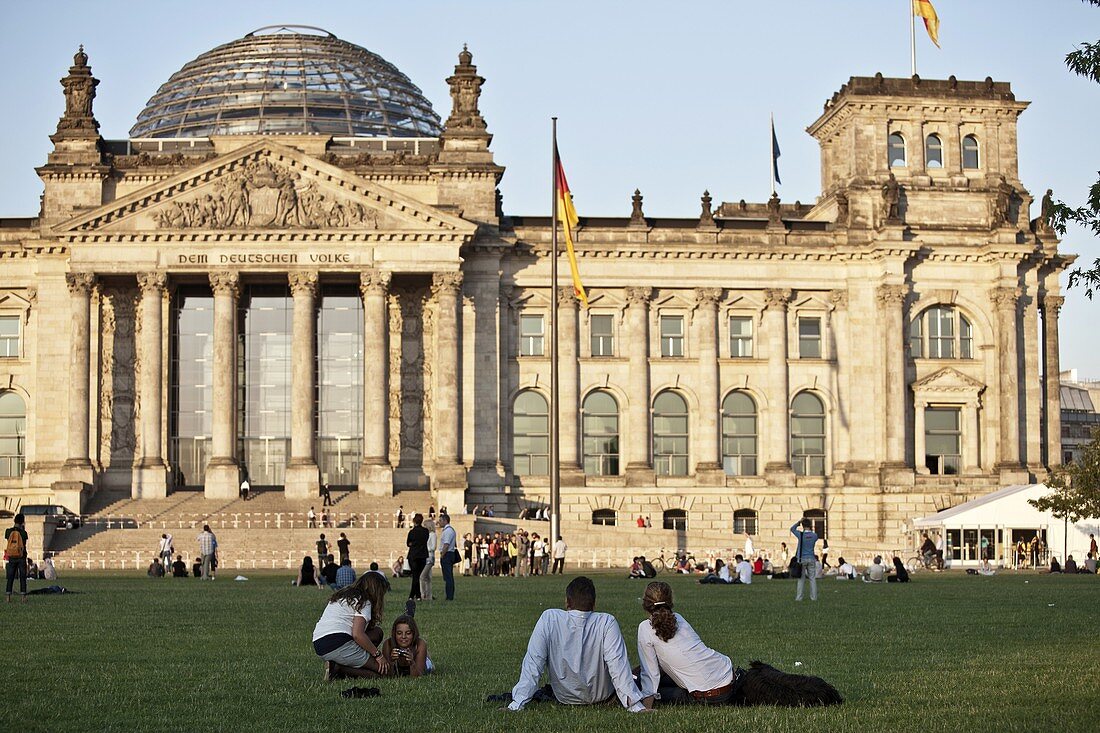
945,653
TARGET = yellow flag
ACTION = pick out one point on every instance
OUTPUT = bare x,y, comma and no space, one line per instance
569,220
923,9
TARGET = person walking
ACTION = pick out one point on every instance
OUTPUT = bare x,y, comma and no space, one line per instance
429,563
311,519
448,554
322,551
417,542
326,496
246,487
165,549
559,556
15,557
344,545
207,546
807,538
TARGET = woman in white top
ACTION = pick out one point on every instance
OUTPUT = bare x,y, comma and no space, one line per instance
426,576
677,667
538,550
348,635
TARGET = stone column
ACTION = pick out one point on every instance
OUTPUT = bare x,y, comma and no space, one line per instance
775,326
223,475
375,471
919,406
1004,302
448,473
78,465
482,357
569,468
708,466
970,437
639,468
151,478
1031,420
1052,384
891,303
302,476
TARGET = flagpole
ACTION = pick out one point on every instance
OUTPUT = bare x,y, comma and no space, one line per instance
771,151
912,37
555,488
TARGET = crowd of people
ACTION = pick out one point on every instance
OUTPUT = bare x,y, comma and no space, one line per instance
516,554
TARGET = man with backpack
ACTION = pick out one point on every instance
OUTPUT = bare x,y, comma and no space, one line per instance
15,556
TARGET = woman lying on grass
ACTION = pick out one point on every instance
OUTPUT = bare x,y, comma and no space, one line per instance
348,635
675,661
407,651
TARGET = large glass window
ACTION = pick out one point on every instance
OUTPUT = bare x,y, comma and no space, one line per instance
970,152
809,338
340,385
530,335
942,440
13,435
531,435
896,145
745,521
741,337
672,335
266,327
739,434
601,435
941,332
933,152
191,392
807,435
9,337
603,335
670,435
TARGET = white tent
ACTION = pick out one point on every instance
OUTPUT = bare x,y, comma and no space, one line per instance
992,524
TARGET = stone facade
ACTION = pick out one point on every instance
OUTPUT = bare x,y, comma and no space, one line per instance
769,300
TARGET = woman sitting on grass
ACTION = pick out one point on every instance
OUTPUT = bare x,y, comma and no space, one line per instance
901,575
721,574
674,660
348,634
406,650
307,574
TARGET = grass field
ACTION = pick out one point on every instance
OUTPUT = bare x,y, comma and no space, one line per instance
946,653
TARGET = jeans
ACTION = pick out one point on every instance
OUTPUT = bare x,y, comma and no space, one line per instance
446,565
17,569
809,570
426,580
207,565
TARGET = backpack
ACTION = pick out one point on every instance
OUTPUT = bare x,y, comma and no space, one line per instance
16,548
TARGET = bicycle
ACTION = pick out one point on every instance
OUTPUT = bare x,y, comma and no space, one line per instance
928,561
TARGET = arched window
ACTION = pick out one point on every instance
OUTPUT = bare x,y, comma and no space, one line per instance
531,435
970,153
601,435
13,435
676,519
745,521
670,435
739,435
807,435
604,517
896,153
941,332
933,152
819,521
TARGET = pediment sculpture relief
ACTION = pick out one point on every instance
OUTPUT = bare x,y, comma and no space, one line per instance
262,196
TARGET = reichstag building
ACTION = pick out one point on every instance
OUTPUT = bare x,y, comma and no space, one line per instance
293,268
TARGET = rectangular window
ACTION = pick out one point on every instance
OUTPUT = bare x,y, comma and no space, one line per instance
672,335
741,337
9,337
942,440
941,333
603,336
809,338
530,336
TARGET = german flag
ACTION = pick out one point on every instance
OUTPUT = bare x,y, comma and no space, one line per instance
567,214
923,9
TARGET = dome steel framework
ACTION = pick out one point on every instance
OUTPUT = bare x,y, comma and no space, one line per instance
282,80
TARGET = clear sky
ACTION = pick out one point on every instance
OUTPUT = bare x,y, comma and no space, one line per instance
668,97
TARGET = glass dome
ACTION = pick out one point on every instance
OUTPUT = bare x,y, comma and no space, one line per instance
288,80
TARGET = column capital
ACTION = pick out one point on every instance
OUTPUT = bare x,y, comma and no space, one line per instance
838,299
303,282
373,281
1004,297
1052,304
446,283
638,295
152,283
80,283
708,296
226,282
889,295
567,298
776,298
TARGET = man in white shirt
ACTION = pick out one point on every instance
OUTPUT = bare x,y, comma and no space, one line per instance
744,571
846,571
876,571
165,549
559,556
584,653
448,542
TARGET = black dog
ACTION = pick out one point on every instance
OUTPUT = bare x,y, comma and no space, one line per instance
762,684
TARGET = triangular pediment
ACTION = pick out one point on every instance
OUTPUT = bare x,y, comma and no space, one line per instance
269,188
948,380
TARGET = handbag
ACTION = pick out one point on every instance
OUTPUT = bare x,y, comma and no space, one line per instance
795,568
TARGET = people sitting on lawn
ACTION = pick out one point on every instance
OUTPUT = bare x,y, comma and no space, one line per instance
845,570
33,572
676,666
721,574
196,568
876,571
647,568
901,575
1071,564
156,570
345,574
307,574
582,650
1090,564
328,572
49,572
179,568
682,565
348,636
743,570
1055,566
986,568
406,650
401,567
758,565
635,569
